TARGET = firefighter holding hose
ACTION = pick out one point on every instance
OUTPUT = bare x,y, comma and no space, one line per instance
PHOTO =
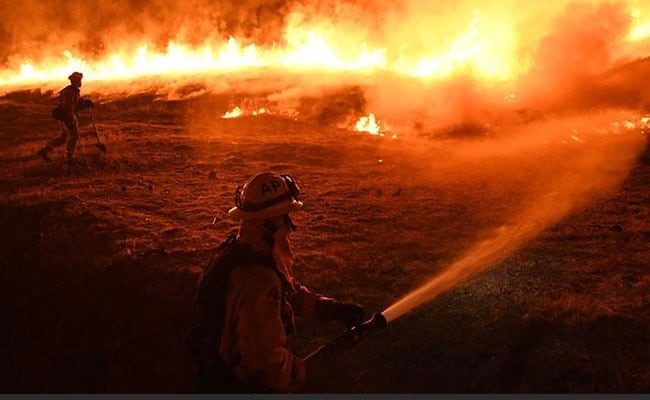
247,298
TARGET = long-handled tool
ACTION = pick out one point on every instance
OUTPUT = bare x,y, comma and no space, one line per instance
100,145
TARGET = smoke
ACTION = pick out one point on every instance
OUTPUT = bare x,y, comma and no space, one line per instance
581,45
91,27
571,175
547,56
554,57
400,26
566,50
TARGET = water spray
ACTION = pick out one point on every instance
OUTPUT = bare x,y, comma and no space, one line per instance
603,165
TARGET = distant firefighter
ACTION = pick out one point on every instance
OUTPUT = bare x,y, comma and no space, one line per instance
69,104
247,297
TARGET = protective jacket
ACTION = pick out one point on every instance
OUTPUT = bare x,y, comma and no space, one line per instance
70,100
259,309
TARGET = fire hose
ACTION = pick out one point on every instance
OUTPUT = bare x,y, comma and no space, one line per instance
348,339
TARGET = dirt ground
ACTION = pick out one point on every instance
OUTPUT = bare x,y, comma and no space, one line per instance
548,229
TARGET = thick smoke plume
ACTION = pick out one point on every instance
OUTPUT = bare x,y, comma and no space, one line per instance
94,27
570,52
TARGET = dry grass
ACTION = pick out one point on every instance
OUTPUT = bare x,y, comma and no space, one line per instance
98,268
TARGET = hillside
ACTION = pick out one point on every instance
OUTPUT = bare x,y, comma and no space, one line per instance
99,266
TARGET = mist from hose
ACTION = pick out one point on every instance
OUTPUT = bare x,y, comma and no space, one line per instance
597,167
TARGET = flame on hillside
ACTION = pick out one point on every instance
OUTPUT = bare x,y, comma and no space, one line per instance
306,48
371,125
368,124
238,112
427,62
405,37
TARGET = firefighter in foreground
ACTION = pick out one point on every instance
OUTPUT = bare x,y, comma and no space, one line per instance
69,104
247,298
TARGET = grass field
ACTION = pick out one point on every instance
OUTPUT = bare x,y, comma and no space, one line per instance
545,229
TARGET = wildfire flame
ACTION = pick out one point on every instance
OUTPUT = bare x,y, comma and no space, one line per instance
486,48
368,124
371,125
234,113
437,61
238,112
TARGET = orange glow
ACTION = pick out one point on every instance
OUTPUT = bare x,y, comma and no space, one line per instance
371,125
238,112
178,59
234,113
483,49
368,124
419,41
640,29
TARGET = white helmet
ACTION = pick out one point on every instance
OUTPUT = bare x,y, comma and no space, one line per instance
266,195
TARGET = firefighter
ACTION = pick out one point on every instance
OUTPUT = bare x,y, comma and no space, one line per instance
261,297
69,103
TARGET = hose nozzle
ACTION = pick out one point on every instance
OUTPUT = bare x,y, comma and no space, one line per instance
377,321
350,338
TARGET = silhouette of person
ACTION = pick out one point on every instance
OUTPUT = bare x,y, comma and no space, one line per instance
69,104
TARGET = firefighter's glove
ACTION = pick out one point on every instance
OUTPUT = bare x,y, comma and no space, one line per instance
87,103
71,124
349,312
